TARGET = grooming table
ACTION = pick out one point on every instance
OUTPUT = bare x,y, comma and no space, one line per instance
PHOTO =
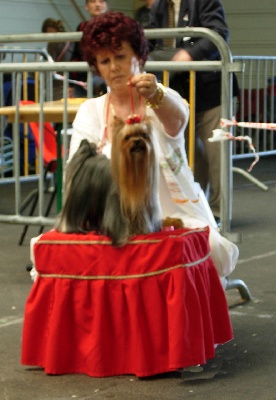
152,306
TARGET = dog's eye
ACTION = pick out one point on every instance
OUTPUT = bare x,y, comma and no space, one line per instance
145,135
127,137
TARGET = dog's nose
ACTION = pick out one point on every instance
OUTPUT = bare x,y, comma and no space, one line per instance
137,145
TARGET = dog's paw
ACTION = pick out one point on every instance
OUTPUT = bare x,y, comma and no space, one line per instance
176,223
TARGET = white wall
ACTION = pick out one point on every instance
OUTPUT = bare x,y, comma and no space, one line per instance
26,16
252,26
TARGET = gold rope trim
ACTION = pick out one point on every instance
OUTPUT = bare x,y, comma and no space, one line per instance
183,201
135,276
108,242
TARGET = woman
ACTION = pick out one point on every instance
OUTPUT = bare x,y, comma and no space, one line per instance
115,45
59,51
94,8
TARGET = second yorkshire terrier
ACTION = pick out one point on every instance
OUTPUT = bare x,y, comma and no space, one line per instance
133,205
87,183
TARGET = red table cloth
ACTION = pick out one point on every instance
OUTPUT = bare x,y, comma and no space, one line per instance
152,306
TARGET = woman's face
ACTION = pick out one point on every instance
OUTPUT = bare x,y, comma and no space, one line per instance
50,29
117,67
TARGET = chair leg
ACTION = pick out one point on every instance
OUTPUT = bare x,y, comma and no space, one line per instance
34,198
28,200
48,209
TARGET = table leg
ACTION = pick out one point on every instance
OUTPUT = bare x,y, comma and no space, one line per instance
59,169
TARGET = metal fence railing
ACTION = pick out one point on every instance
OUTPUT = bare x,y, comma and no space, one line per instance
255,110
12,55
257,103
29,91
226,66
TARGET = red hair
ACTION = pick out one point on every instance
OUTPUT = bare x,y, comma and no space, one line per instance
109,30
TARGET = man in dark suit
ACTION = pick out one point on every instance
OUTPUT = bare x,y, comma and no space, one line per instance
207,14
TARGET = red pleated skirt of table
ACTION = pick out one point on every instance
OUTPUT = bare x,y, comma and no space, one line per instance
152,306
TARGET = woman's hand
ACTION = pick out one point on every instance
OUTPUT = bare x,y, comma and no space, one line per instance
182,55
145,84
176,113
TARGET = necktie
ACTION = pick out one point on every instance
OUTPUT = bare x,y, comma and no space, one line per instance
169,42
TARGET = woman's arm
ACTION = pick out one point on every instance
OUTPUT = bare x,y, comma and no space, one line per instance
170,108
173,113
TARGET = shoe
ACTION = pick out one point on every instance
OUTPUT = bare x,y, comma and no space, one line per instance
29,267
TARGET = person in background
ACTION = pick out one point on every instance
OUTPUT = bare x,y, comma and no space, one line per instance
59,51
94,8
115,45
206,14
142,14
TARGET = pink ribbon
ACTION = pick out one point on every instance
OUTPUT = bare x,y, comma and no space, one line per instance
225,123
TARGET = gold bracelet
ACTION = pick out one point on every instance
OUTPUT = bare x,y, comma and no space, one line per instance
156,101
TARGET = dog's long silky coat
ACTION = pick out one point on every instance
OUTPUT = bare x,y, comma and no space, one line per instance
133,205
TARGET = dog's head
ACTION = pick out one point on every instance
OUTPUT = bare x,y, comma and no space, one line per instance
87,183
134,140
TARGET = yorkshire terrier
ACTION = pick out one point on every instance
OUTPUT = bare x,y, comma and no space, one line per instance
88,182
135,171
118,198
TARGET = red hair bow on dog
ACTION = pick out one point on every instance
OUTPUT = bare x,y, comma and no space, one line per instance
133,119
